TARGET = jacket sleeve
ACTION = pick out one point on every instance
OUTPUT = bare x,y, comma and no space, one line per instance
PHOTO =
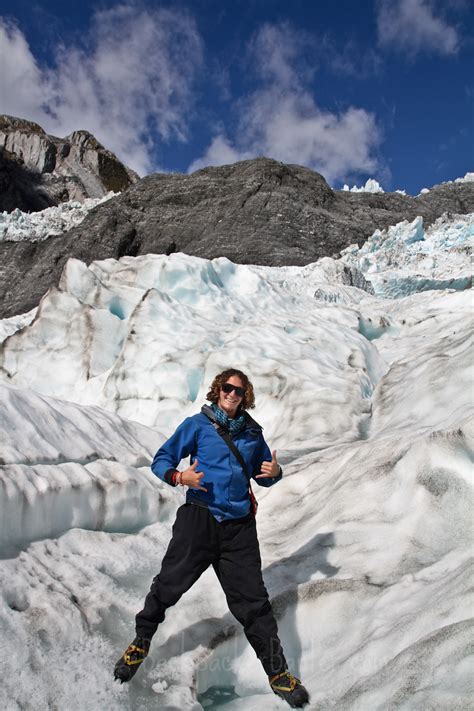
263,454
178,446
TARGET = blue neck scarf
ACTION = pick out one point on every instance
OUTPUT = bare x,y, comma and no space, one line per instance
233,425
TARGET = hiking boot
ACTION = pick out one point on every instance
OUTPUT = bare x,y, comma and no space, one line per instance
127,665
290,688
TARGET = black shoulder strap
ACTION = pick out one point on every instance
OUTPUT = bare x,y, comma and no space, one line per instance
229,442
252,422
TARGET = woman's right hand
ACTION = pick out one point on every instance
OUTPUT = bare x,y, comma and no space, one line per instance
192,478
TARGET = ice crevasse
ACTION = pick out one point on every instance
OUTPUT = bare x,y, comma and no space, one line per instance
366,542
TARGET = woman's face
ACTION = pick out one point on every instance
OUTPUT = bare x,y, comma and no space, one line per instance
229,402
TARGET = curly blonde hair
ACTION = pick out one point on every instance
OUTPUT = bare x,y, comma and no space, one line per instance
248,401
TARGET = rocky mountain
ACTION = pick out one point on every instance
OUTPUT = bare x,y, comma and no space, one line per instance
38,170
257,211
19,187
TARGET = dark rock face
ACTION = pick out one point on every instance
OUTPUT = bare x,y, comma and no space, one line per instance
20,188
71,168
354,277
253,212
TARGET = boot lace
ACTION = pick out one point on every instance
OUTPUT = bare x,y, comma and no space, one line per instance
288,682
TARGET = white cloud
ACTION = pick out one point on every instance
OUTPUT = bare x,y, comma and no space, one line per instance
22,83
277,51
135,79
281,119
352,59
411,26
219,152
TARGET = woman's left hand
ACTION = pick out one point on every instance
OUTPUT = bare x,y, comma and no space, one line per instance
269,469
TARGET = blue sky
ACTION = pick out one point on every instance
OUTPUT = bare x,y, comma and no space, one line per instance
385,91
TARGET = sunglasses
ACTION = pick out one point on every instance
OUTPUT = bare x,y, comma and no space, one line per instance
228,387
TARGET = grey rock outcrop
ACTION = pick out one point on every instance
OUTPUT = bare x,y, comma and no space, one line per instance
20,188
71,168
354,277
257,211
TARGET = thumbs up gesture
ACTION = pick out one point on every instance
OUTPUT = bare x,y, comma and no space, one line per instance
192,478
269,469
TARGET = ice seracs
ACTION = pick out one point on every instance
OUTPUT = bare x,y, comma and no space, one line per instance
142,337
366,542
18,226
371,186
407,258
468,178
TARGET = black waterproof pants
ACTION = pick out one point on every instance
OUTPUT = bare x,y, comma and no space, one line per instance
231,546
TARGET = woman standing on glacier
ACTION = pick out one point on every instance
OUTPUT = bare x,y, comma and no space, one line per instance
216,526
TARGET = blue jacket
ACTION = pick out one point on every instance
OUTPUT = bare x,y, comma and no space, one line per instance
227,486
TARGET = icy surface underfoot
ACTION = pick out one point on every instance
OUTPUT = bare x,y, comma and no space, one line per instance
366,542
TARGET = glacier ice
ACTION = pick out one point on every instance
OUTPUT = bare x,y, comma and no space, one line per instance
366,543
9,326
142,336
406,258
18,226
467,178
65,466
371,186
